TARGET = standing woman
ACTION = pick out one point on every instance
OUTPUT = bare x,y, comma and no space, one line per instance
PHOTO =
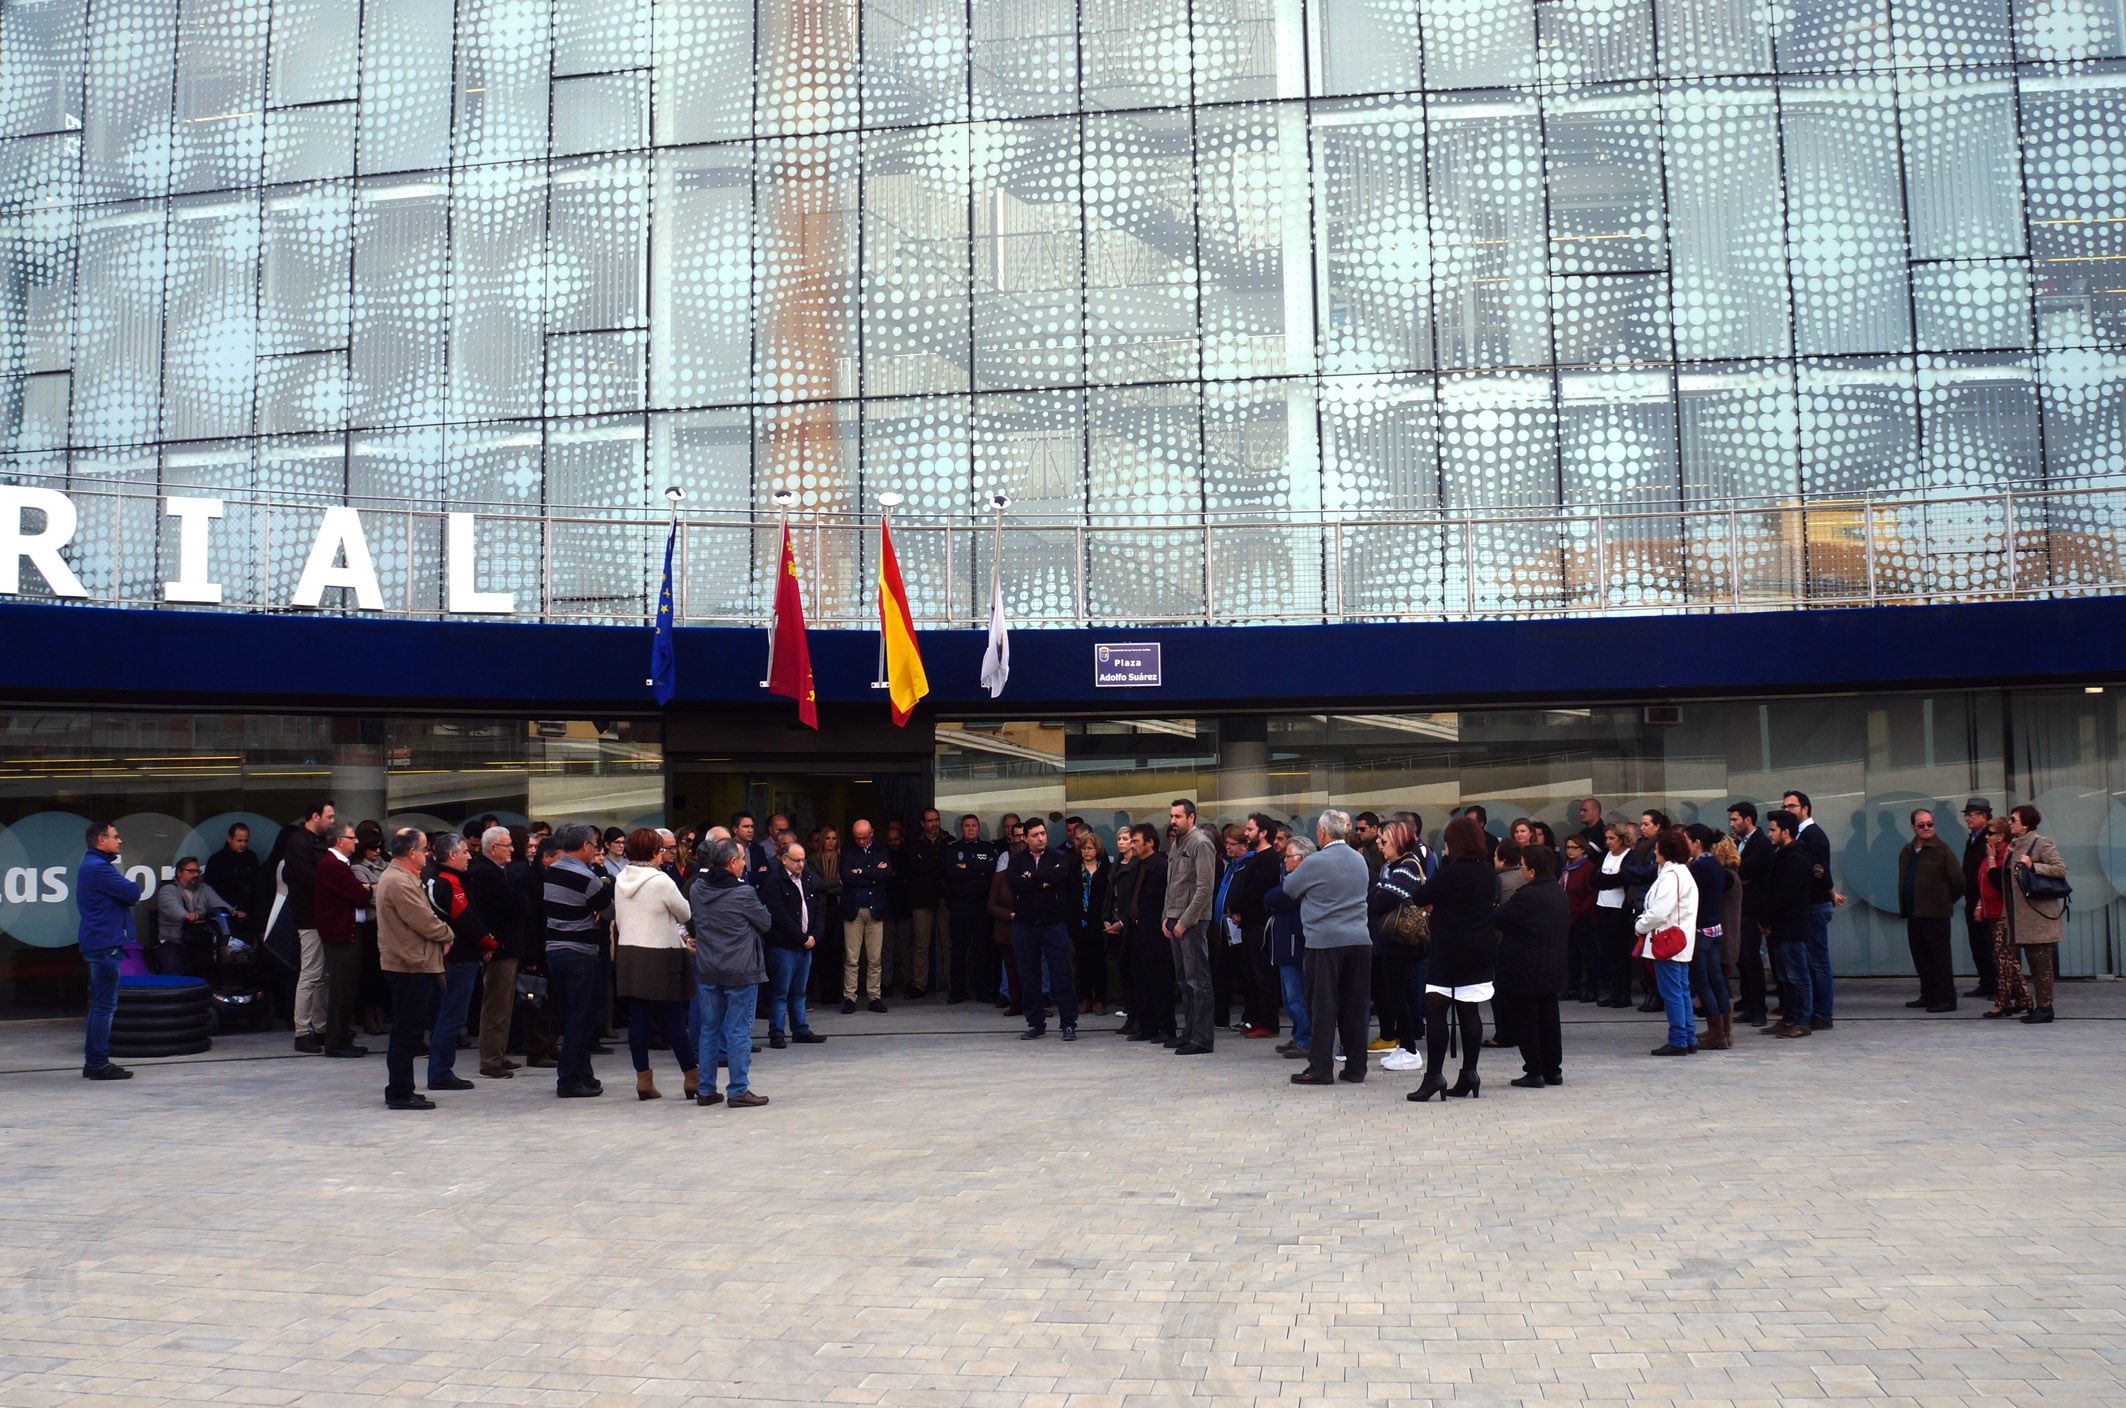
2011,989
826,864
1579,883
1085,910
1395,963
651,972
2035,926
1668,930
1460,960
1708,964
1612,919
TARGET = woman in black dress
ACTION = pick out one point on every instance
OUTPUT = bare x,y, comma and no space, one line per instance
1459,962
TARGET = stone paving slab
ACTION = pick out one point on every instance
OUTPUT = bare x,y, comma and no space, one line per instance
1900,1212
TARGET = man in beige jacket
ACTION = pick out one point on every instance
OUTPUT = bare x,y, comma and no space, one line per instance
411,939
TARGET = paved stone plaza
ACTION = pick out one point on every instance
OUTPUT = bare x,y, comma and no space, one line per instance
1901,1212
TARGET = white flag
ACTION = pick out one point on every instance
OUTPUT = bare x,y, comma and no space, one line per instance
996,661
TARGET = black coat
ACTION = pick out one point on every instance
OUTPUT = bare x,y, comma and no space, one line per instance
1464,948
1040,887
1789,895
1533,924
1147,902
1756,853
866,874
500,903
784,928
1812,839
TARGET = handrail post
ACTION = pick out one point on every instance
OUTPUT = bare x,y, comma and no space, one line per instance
1601,546
1336,539
1209,577
952,600
1468,567
546,567
408,520
1867,511
2008,532
1734,556
679,576
1077,569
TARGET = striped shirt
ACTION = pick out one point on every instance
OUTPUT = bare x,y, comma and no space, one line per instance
576,902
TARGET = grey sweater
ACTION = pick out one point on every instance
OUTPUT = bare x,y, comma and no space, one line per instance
1330,886
727,924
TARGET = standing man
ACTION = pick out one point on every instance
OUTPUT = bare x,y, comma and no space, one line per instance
1930,880
728,922
1482,819
106,899
232,872
1191,879
293,864
1331,886
1365,839
1257,871
411,940
1591,838
1824,902
1151,953
1756,855
867,874
341,900
924,870
758,861
1978,815
1788,901
501,903
1037,877
577,897
794,925
968,865
900,918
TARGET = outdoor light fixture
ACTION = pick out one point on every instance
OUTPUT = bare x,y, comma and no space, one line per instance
783,498
891,499
673,494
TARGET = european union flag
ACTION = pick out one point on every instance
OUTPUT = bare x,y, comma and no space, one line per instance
664,666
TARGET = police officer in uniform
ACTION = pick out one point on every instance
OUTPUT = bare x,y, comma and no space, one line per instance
970,864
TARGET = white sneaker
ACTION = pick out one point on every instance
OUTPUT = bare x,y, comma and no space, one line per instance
1401,1060
1339,1056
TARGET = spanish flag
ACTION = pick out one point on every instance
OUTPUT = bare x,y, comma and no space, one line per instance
905,679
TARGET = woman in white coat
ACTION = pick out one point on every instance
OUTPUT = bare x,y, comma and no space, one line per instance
650,965
1668,935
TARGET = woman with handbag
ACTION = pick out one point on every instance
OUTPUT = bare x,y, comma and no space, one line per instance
1460,956
1708,964
1398,933
2037,894
1668,930
650,964
2011,989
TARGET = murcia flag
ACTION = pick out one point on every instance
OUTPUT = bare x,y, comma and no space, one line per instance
790,671
905,679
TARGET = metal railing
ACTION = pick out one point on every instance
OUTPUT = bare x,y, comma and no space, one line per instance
579,565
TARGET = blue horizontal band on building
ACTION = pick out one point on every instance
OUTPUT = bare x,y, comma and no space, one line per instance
118,657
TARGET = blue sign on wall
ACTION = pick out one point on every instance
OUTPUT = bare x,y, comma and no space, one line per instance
1127,666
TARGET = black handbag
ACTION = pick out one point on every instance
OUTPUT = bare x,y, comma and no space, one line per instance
2042,888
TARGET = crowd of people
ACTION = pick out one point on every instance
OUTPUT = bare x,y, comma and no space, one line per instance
1350,930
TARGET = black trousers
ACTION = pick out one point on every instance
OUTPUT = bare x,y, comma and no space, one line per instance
1088,946
1152,981
1392,964
1980,935
1260,1006
413,1012
1338,982
970,937
1752,1001
1929,941
1226,982
1533,1019
1613,928
343,977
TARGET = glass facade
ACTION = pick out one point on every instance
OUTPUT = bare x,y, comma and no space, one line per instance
175,782
1251,260
1866,762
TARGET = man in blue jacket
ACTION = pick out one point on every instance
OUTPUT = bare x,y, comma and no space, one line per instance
106,899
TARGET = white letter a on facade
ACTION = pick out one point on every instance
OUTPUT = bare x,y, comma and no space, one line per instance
341,532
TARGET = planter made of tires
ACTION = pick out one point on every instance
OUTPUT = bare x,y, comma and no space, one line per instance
140,1050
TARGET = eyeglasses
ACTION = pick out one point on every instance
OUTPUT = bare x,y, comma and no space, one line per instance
1922,826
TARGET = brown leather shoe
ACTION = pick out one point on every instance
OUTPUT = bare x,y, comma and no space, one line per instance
693,1083
496,1073
1819,1024
1789,1030
748,1100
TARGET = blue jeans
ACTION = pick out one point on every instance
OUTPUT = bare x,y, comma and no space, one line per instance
1820,958
1673,979
577,982
726,1029
103,1006
1292,986
1708,976
1796,987
458,979
1036,946
789,969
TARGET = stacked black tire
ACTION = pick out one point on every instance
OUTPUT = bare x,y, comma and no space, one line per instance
162,1016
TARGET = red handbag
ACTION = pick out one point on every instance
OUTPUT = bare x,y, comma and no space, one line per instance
1666,943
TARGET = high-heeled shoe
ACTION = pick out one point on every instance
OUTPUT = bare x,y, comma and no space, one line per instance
1431,1086
1470,1084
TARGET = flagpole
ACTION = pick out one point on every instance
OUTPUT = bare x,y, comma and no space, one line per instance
782,498
888,502
996,546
